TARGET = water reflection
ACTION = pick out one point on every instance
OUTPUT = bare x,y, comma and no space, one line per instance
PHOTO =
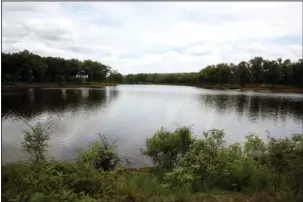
256,106
131,113
30,103
73,114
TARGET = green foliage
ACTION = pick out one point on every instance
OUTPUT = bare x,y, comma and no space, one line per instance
141,184
254,146
170,78
203,169
166,147
86,185
115,77
25,66
285,160
101,154
258,166
254,71
35,141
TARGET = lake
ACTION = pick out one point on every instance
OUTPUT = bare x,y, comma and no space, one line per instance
131,113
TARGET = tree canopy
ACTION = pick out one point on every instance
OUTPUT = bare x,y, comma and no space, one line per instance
25,66
254,71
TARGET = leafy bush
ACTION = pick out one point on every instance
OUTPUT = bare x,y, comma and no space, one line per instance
166,147
101,154
35,141
200,164
200,170
209,164
86,185
285,158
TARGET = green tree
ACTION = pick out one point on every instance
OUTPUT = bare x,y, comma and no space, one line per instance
115,77
286,72
256,70
36,141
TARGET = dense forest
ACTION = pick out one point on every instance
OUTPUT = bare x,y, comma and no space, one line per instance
255,71
28,67
156,78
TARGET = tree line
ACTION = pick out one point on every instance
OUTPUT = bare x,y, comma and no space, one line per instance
156,78
254,71
25,66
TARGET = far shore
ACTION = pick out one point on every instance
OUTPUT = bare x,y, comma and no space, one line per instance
250,87
257,88
57,85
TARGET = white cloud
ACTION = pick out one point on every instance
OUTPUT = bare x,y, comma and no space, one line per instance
155,37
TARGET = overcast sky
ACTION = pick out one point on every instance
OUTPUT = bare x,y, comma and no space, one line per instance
137,37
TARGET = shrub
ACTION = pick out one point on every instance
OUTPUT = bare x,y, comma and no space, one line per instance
35,141
259,171
285,158
87,185
101,154
208,165
166,147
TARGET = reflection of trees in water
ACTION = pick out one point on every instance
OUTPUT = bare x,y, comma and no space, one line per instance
257,106
28,104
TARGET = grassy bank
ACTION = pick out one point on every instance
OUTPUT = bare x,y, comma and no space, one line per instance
185,169
57,85
257,88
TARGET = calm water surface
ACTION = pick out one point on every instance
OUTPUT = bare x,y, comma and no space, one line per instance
131,113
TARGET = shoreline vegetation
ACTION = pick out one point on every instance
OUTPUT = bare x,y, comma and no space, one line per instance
185,169
256,88
57,85
257,74
251,87
25,69
28,69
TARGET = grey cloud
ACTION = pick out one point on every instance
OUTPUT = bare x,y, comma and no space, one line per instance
17,7
134,37
87,50
49,36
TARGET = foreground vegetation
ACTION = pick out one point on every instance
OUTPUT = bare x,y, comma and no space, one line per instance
184,169
257,71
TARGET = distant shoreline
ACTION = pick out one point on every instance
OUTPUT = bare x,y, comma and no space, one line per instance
257,88
56,85
251,87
